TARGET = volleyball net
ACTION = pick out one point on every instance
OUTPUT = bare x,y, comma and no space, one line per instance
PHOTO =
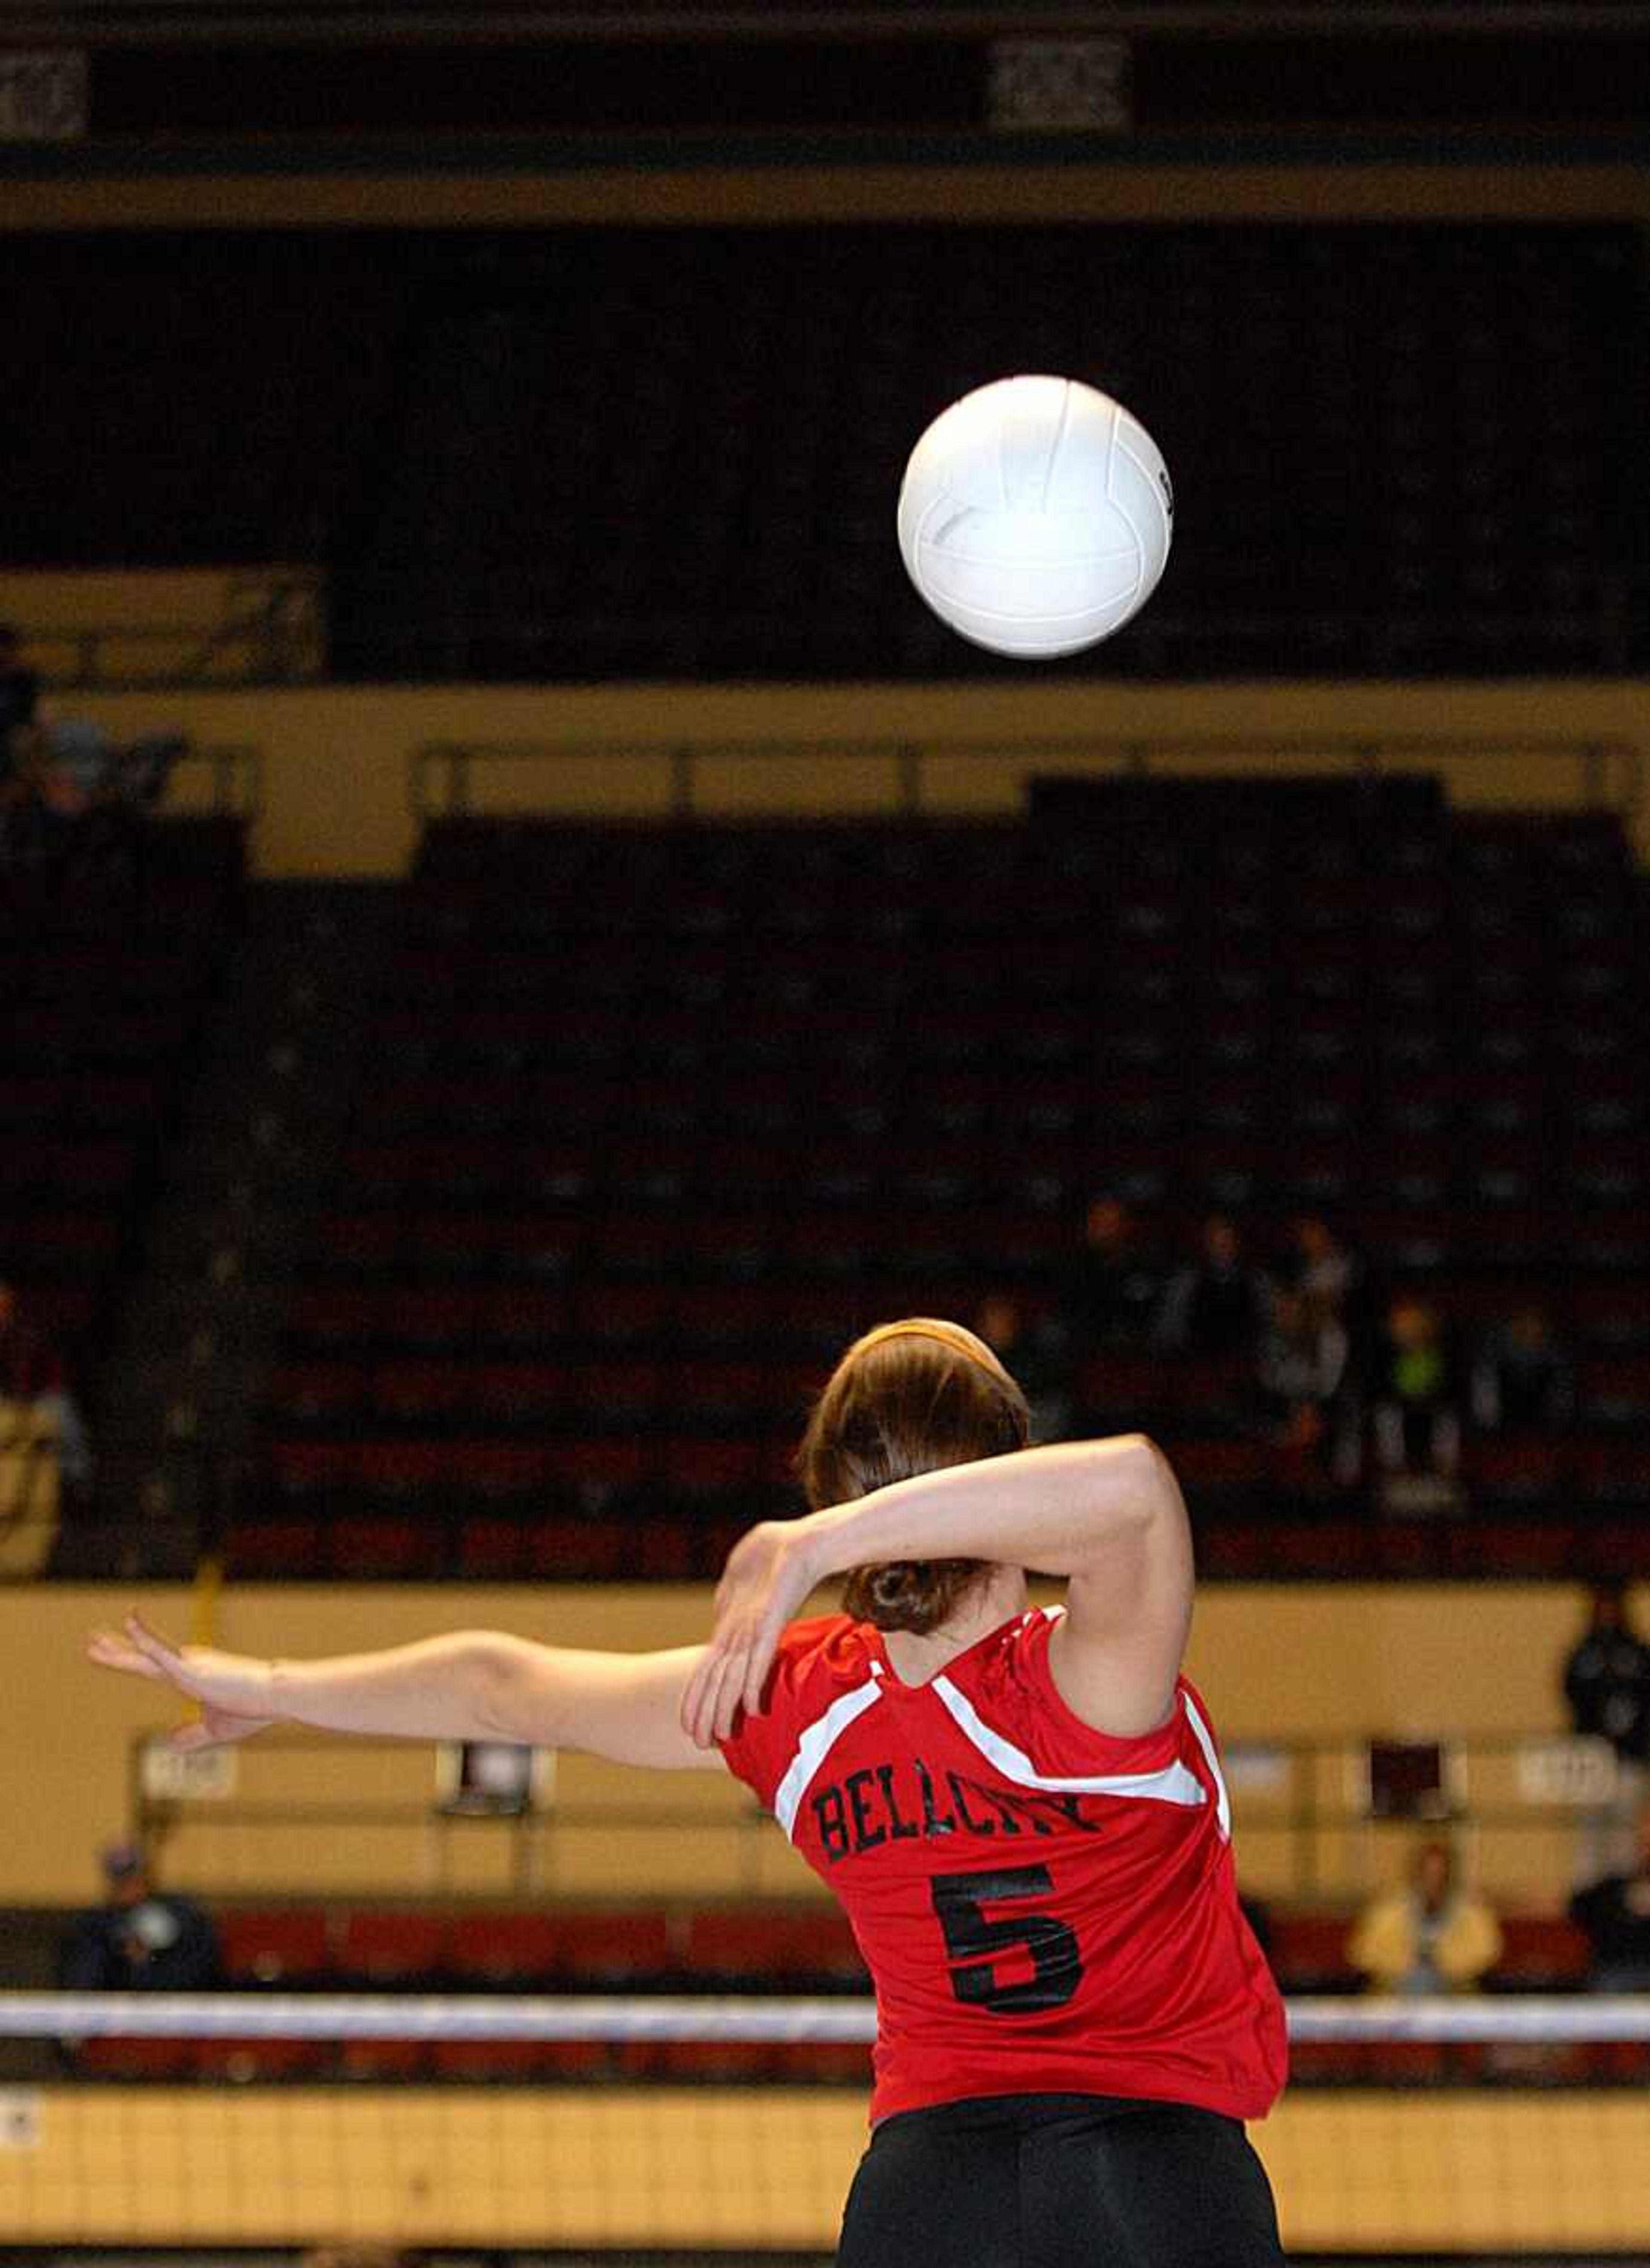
729,2128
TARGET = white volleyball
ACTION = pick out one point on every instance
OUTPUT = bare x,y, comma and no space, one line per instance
1035,516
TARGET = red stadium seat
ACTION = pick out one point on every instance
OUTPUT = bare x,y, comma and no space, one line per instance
504,1471
776,1943
503,2062
610,1315
600,1464
341,1314
696,1466
524,1316
431,1315
134,2060
403,1469
520,1949
371,1548
509,1394
307,1468
417,1392
386,1945
245,2063
492,1549
1514,1469
270,1545
1308,1952
283,1945
596,1948
379,2063
598,1544
316,1392
1543,1949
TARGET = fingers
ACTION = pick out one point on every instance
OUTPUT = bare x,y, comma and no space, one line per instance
184,1739
715,1691
217,1728
705,1716
110,1651
756,1668
155,1648
694,1687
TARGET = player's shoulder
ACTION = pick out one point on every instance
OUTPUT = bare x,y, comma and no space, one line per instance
815,1664
1010,1684
824,1647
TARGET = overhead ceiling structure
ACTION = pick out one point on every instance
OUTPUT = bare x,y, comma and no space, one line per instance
829,80
372,23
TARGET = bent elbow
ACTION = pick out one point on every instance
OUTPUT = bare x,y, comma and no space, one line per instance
495,1675
1157,1491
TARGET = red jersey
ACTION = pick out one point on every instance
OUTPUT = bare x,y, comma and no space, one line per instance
1043,1909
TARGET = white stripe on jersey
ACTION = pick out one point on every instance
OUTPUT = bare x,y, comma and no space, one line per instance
816,1745
1205,1741
1173,1783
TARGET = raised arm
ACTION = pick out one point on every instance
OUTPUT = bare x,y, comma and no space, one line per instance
1107,1514
465,1685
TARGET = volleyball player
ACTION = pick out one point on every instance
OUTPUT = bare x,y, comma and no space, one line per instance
1020,1810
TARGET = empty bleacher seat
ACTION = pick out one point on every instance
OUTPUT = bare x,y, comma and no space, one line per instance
654,1236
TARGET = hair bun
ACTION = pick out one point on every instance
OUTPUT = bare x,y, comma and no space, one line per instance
899,1586
911,1594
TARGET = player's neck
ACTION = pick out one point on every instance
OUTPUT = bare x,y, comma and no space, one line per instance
914,1660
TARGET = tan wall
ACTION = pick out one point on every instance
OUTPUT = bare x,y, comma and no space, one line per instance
132,625
626,2167
1314,1661
86,598
335,759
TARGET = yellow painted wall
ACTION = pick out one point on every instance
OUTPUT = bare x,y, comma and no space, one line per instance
336,759
124,625
631,2166
1274,1663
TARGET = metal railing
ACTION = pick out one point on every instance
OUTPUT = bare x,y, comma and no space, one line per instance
272,631
1313,1817
446,778
234,769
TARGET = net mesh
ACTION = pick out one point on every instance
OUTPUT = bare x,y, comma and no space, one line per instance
612,2127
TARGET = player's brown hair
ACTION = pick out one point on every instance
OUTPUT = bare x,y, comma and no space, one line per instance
909,1398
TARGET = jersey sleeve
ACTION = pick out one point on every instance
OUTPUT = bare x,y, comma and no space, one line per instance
760,1748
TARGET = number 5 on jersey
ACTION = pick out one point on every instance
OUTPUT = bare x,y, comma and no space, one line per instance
1056,1965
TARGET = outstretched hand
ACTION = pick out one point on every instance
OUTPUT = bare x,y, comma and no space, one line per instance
232,1691
768,1576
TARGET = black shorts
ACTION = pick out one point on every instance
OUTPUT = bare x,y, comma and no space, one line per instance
1059,2181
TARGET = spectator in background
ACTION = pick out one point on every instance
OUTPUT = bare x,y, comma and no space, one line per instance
1300,1367
1111,1287
140,1940
1034,1348
1414,1397
1216,1306
1523,1380
1614,1915
97,794
1433,1935
1320,1269
1607,1685
87,773
32,1381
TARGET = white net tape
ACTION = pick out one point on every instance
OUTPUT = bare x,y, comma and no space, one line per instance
366,2016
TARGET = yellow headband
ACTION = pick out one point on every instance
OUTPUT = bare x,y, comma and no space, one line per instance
947,1334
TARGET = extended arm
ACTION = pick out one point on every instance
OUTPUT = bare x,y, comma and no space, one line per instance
1107,1515
465,1685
